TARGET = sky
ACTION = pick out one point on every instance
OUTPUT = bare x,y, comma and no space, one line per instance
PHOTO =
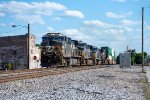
113,23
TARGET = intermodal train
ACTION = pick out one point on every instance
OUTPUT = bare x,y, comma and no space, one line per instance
58,49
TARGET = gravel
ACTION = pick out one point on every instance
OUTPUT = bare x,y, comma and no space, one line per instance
110,83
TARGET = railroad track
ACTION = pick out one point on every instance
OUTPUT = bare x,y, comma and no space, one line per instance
26,74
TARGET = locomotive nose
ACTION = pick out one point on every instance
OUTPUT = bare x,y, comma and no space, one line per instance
50,49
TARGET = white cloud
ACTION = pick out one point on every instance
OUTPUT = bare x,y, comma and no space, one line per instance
98,23
43,8
94,22
147,27
30,18
120,0
72,32
73,13
32,12
99,33
77,34
128,29
50,29
129,22
47,8
2,24
114,15
91,35
48,5
56,18
2,14
36,9
113,31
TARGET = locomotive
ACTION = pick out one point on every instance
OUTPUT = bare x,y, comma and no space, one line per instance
58,49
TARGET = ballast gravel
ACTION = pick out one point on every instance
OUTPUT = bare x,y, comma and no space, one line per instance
109,83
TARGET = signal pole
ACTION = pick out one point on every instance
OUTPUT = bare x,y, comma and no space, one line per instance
142,39
28,46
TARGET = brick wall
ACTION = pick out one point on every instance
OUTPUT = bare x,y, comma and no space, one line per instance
13,50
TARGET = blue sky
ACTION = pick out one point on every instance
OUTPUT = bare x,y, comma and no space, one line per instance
113,23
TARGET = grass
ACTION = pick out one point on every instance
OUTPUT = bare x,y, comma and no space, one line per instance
146,86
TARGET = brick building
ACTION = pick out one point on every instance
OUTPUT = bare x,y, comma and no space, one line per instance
13,50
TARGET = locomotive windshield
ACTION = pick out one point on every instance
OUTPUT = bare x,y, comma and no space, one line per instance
88,47
81,45
56,38
94,49
51,43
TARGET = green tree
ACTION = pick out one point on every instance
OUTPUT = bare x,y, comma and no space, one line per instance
138,57
133,54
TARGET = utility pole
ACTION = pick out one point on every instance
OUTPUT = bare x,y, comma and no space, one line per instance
28,46
142,39
28,43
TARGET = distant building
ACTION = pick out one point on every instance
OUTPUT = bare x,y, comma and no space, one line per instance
13,50
125,59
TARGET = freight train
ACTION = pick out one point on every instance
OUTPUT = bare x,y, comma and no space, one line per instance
58,49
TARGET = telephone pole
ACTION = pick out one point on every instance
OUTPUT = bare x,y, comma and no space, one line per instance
142,39
28,46
28,43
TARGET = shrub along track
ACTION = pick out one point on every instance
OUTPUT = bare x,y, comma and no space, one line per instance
7,76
